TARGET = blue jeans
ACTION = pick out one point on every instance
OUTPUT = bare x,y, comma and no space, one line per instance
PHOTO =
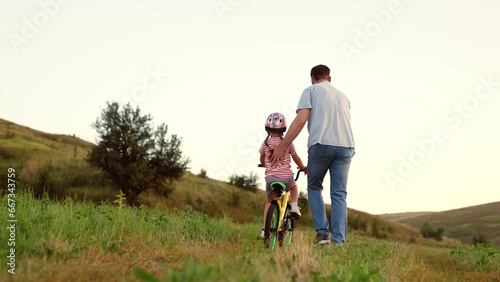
323,158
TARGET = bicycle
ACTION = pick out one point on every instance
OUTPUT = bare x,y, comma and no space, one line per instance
279,221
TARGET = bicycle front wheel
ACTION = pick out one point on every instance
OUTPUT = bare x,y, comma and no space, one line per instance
271,226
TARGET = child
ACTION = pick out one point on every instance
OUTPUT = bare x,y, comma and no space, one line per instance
275,127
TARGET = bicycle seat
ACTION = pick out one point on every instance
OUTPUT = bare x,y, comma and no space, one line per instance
278,186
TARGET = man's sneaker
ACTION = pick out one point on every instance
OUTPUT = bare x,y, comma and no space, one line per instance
262,234
296,212
322,239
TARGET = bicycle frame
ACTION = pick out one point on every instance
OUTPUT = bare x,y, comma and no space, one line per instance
282,202
282,199
279,222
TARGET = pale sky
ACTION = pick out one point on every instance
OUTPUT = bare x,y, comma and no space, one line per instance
423,78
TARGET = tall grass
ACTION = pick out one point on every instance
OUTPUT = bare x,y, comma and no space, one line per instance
74,241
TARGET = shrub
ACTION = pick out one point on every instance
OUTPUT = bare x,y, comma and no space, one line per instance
479,239
428,232
203,173
245,182
479,258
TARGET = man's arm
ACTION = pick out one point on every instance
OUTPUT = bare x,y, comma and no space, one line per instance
294,130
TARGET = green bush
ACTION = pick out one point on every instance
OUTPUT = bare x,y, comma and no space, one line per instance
480,257
245,182
428,232
203,173
479,238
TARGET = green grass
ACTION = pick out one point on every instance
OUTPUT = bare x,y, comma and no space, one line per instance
206,230
84,241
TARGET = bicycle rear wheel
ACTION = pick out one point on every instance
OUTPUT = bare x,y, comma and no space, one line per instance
288,228
271,226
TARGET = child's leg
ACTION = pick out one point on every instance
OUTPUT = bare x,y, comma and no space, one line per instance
294,197
294,194
266,208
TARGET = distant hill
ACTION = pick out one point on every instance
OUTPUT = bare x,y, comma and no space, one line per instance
45,162
19,143
461,224
55,164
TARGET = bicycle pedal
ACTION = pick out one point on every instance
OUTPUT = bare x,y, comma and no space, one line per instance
294,216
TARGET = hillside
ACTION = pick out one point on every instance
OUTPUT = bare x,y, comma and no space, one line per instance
461,224
18,143
46,162
404,215
55,164
204,226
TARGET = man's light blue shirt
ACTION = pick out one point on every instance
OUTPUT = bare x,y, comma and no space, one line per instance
329,121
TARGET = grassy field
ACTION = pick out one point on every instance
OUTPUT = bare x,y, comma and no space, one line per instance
84,241
72,227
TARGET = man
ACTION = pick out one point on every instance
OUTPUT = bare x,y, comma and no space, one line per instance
331,147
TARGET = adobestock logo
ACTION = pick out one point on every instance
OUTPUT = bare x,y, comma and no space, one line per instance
149,83
232,167
454,117
364,36
224,6
458,112
31,27
138,85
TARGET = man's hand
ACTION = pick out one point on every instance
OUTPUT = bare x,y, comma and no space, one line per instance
277,154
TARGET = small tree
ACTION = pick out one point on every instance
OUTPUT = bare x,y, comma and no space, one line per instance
438,234
428,232
133,155
248,183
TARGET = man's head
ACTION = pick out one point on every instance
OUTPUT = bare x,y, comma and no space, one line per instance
320,73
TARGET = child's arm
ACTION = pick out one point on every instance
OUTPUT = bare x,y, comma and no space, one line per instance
299,163
263,159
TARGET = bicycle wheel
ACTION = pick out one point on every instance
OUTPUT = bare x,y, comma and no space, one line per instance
271,225
288,228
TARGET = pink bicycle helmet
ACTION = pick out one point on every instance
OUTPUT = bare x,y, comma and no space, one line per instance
276,122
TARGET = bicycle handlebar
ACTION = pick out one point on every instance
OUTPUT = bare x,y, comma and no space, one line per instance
296,177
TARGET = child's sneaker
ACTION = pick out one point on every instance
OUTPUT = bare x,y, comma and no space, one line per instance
262,234
296,212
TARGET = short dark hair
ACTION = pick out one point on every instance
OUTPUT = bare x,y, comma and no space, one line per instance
319,72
